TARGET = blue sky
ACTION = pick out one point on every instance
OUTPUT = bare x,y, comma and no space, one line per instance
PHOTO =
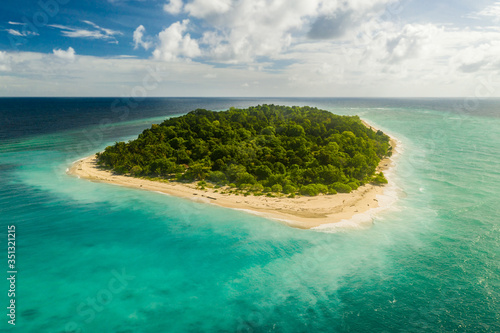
330,48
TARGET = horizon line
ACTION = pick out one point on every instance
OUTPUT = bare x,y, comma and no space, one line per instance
272,97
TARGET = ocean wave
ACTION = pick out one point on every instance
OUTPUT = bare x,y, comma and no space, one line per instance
364,220
162,193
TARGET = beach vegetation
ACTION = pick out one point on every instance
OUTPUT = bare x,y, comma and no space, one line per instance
277,188
341,188
289,189
379,179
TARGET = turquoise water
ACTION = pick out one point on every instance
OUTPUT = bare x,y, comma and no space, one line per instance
101,258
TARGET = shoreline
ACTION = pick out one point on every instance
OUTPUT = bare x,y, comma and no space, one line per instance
300,212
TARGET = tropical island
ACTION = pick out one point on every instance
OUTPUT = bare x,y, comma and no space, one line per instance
265,158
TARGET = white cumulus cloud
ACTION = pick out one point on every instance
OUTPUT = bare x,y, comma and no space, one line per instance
139,38
241,31
173,7
248,29
69,54
176,44
204,8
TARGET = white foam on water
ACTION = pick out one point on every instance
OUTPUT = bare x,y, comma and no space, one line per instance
162,193
265,215
201,200
360,221
249,211
364,220
78,160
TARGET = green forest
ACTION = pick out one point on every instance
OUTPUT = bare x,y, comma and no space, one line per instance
262,149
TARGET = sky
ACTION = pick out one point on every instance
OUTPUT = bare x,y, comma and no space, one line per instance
250,48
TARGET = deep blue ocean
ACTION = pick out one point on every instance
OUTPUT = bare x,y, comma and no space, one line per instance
93,257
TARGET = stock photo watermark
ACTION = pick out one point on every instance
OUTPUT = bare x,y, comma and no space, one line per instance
89,309
11,273
41,18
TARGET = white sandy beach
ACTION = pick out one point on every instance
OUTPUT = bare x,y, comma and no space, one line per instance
300,212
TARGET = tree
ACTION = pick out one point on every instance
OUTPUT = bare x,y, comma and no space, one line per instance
288,189
263,172
198,171
277,188
136,170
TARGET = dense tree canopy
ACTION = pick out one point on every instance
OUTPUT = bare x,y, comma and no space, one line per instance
263,148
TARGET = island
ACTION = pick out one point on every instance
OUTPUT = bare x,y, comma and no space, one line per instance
299,165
